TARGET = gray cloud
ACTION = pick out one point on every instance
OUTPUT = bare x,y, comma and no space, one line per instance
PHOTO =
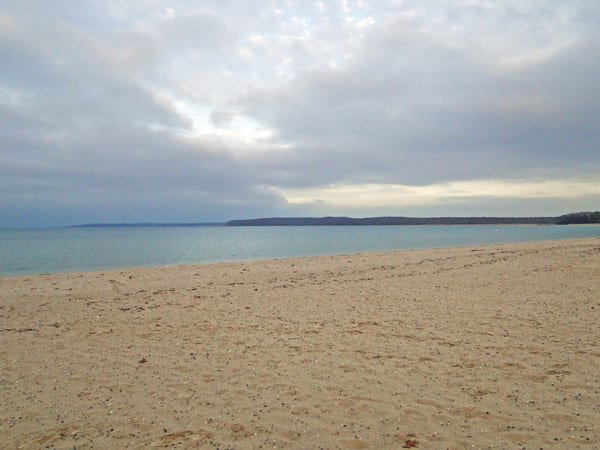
413,109
136,111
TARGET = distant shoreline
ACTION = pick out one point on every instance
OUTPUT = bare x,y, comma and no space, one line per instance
566,219
148,224
392,221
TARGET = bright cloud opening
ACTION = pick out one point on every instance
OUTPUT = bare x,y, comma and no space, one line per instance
393,195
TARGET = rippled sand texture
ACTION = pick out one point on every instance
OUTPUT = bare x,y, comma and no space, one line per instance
489,347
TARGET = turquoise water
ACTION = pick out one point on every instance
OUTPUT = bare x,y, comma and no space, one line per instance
53,250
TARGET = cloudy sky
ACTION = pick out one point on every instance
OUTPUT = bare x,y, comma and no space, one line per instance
184,110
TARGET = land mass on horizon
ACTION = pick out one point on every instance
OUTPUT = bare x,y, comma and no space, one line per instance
572,218
566,219
390,220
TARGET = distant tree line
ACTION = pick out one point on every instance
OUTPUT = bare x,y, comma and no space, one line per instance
579,218
574,218
328,221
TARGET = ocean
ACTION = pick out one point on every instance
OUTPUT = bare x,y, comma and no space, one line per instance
56,250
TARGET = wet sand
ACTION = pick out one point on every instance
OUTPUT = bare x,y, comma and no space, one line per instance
483,347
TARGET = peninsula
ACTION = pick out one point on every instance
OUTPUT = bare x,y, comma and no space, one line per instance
573,218
566,219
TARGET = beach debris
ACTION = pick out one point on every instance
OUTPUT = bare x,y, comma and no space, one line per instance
410,443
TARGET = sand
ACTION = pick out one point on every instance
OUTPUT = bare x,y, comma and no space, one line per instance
487,347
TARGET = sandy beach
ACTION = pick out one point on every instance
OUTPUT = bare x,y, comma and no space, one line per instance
483,347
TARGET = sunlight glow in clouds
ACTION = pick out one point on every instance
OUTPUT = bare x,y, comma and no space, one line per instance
240,135
394,195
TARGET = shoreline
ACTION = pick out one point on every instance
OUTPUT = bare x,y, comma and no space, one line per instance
484,346
375,252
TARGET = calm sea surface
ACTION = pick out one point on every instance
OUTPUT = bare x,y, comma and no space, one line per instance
53,250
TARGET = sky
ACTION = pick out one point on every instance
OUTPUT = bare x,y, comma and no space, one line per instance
195,111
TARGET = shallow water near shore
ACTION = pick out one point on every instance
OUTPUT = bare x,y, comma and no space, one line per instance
56,250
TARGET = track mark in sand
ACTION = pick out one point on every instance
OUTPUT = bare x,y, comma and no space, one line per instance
55,435
182,437
116,285
355,443
18,330
290,435
239,431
